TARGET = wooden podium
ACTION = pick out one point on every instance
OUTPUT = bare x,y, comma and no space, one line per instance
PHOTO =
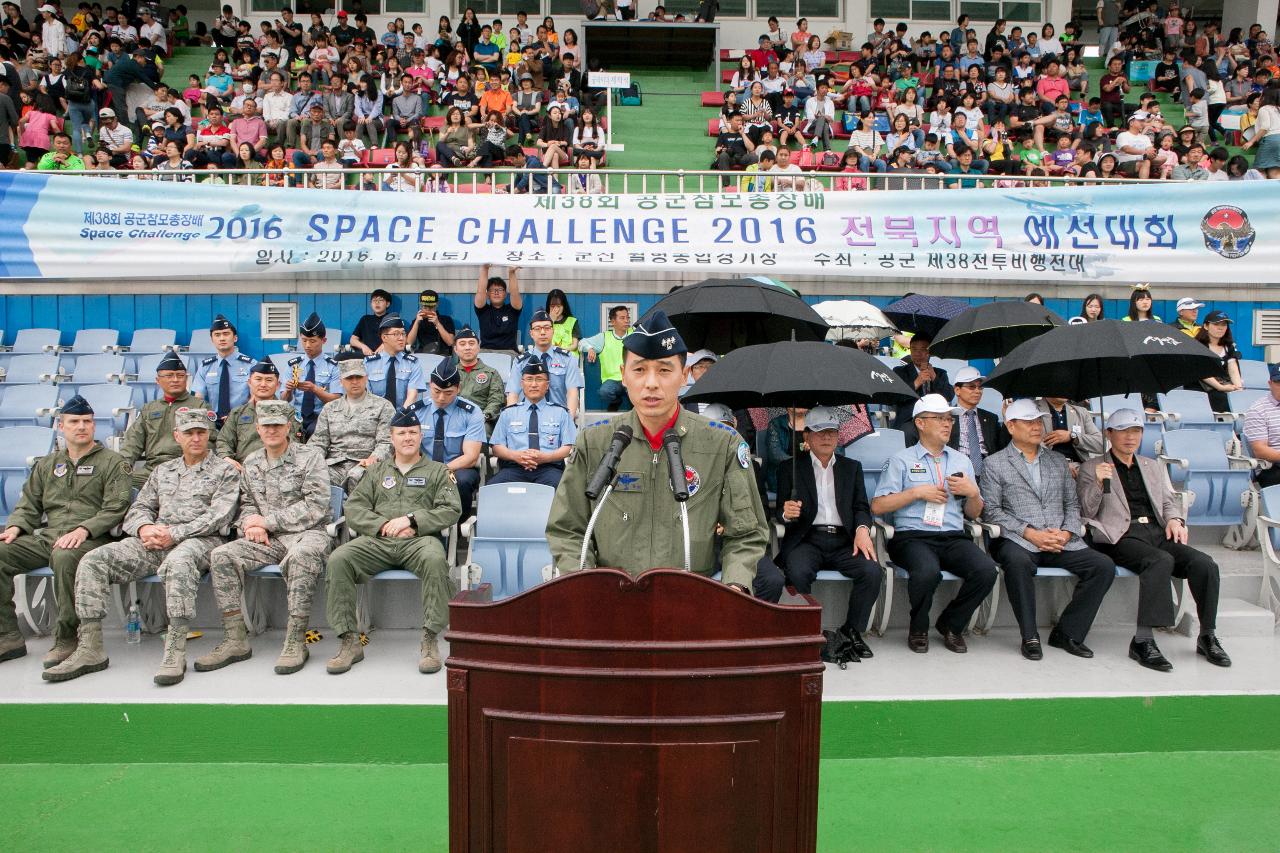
600,713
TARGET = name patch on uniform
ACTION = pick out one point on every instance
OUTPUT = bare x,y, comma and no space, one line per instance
388,482
917,469
60,470
628,483
156,414
416,481
84,469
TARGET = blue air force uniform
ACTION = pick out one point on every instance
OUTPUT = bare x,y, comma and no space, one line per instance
408,373
234,368
562,366
515,429
323,371
445,430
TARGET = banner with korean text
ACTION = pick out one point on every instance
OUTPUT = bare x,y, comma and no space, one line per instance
82,227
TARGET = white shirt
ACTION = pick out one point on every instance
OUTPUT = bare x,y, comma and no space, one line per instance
825,478
1131,140
155,33
813,106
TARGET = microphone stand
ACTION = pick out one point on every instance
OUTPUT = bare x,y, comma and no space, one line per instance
684,523
591,526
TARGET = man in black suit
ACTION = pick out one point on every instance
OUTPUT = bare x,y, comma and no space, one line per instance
828,523
922,376
969,422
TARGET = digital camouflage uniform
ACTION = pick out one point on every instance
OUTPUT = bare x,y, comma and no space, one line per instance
239,434
292,494
59,496
427,490
350,430
639,527
149,438
483,386
197,503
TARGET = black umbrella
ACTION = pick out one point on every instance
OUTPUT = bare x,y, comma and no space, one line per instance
924,315
798,373
993,330
722,314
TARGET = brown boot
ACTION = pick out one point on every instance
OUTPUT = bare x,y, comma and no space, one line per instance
173,666
349,654
13,646
294,655
430,653
233,648
62,649
88,657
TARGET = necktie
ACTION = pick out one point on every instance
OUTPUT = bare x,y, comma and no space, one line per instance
224,391
534,444
437,443
390,393
971,439
308,397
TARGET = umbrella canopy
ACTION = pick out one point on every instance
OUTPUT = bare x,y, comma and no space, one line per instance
924,315
722,314
854,319
798,373
993,330
1106,357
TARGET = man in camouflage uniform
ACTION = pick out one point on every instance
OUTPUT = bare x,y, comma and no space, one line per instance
354,431
284,507
69,504
239,434
149,438
176,521
641,528
398,510
481,384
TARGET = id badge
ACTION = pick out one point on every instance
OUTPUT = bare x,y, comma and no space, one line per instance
934,514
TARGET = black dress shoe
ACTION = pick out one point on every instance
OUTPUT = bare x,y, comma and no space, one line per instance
859,645
1031,649
1147,653
953,642
1061,641
918,643
1209,647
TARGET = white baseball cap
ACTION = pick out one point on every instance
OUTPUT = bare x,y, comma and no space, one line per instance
1122,419
47,8
821,418
967,374
930,404
1186,303
1023,410
701,355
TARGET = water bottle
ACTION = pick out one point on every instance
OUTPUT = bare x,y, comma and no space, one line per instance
133,626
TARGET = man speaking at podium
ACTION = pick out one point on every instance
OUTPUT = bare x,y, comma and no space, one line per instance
657,456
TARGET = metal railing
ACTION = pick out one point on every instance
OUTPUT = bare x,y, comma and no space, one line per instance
432,179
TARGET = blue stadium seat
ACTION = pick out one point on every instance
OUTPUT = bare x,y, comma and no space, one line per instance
1240,402
94,370
90,342
1269,538
20,447
1191,410
428,362
113,407
35,341
873,451
1198,462
31,368
890,360
148,342
992,401
508,542
35,603
29,405
281,361
1255,374
499,361
201,343
951,365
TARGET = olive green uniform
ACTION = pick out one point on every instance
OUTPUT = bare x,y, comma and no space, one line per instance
483,386
428,491
239,434
639,527
59,496
149,437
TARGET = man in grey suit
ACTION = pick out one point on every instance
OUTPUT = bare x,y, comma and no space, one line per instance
1071,430
339,104
1028,492
1139,525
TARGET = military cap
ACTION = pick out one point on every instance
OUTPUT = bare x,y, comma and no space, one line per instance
265,366
391,321
351,363
221,324
189,418
404,418
77,405
313,327
655,337
273,412
534,367
465,332
540,316
446,374
171,361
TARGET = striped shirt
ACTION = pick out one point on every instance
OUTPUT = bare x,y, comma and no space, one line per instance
1262,421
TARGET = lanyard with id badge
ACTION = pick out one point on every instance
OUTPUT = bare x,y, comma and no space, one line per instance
934,514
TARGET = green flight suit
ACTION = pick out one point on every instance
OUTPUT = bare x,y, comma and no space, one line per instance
149,438
239,434
639,527
429,492
483,386
59,496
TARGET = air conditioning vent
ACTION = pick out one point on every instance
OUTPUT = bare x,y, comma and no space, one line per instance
1266,327
280,321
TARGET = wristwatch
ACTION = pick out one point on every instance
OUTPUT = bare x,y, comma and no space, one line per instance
740,588
413,522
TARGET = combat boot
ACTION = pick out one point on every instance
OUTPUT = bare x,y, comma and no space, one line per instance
349,654
430,654
88,657
233,648
173,666
295,654
62,649
12,646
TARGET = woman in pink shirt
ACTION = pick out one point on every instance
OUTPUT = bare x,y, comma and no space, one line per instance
36,127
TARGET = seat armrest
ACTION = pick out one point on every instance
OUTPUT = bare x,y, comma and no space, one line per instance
1249,461
337,528
1266,524
993,530
1173,460
468,527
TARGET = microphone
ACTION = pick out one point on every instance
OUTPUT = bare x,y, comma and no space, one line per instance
609,464
675,466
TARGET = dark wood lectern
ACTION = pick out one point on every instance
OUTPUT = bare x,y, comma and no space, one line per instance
600,713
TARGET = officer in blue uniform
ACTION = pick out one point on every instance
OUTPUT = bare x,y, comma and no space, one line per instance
562,367
313,375
452,429
223,378
408,381
533,438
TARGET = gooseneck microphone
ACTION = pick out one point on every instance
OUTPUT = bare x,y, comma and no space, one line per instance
608,466
679,485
